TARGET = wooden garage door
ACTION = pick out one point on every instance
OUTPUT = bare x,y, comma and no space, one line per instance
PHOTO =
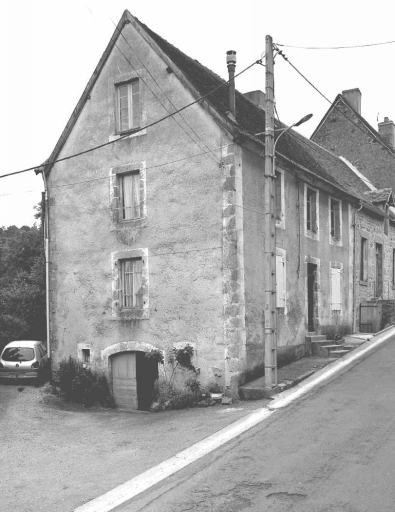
124,383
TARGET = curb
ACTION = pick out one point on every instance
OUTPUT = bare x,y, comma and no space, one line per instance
128,490
333,369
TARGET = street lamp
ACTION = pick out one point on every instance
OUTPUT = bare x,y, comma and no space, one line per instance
284,130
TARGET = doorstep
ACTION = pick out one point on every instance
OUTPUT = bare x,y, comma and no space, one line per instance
287,377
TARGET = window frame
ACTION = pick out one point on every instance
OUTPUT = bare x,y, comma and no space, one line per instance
363,260
281,278
333,239
116,178
133,272
119,310
132,126
279,198
314,234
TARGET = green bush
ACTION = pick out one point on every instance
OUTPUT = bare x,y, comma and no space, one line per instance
83,386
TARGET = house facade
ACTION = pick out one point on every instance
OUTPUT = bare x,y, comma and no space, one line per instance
371,155
156,227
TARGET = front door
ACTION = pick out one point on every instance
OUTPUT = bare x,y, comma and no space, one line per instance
311,295
124,381
147,373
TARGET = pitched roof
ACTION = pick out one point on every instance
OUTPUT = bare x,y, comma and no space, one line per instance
250,119
341,99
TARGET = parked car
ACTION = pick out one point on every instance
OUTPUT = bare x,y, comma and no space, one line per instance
23,360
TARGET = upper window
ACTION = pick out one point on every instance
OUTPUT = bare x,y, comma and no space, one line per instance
335,220
279,198
129,192
128,106
363,268
131,283
280,278
311,210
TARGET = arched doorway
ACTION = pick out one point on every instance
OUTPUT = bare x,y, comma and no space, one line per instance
133,378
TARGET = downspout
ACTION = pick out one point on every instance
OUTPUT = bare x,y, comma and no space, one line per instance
46,241
354,276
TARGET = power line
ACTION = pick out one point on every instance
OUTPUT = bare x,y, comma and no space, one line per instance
132,133
323,95
160,88
334,47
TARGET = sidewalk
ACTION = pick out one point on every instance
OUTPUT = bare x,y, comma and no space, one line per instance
290,375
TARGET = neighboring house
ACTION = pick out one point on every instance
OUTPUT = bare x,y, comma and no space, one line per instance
371,154
156,240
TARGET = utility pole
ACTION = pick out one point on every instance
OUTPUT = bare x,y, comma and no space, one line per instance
270,229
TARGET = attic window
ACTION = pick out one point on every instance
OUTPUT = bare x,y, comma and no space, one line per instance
128,106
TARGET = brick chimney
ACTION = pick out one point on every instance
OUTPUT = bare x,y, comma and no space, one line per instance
231,63
258,97
353,98
387,131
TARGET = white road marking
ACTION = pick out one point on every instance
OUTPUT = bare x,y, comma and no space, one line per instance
141,483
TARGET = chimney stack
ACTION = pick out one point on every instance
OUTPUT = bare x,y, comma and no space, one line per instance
387,131
231,62
258,97
353,98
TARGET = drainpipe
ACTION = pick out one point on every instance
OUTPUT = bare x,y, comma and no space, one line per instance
354,277
231,62
41,171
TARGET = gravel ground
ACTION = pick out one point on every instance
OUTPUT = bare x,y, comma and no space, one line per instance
57,456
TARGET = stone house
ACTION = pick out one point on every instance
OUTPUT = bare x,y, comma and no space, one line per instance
371,154
156,238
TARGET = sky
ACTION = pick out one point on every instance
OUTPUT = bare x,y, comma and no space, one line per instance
49,49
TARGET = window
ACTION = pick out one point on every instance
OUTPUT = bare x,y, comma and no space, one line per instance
129,192
393,267
131,283
336,289
363,273
279,191
86,355
128,106
311,210
335,220
280,278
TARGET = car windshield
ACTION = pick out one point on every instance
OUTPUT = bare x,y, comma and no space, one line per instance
18,354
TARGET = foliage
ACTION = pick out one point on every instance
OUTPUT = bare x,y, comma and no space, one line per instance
166,395
83,386
22,284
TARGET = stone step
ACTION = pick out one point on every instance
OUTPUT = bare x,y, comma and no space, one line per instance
338,353
323,349
315,337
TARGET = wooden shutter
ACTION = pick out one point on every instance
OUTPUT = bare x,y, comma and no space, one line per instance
278,196
280,281
336,289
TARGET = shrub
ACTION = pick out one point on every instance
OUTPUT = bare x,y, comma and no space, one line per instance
83,386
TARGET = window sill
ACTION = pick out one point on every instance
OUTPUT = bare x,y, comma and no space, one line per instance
314,235
363,283
135,223
127,135
125,315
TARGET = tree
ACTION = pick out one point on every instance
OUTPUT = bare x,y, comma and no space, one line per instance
22,283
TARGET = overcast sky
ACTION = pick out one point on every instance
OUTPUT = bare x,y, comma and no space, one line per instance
49,49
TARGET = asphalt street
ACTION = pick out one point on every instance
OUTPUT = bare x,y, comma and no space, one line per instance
333,450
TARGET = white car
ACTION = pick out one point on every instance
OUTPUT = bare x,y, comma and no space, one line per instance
23,360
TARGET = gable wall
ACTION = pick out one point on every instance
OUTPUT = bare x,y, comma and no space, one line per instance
339,135
181,236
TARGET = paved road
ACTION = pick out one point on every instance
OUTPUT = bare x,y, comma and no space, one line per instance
332,451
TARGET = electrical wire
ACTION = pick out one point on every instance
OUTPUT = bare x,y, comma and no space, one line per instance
334,47
160,88
134,132
323,95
